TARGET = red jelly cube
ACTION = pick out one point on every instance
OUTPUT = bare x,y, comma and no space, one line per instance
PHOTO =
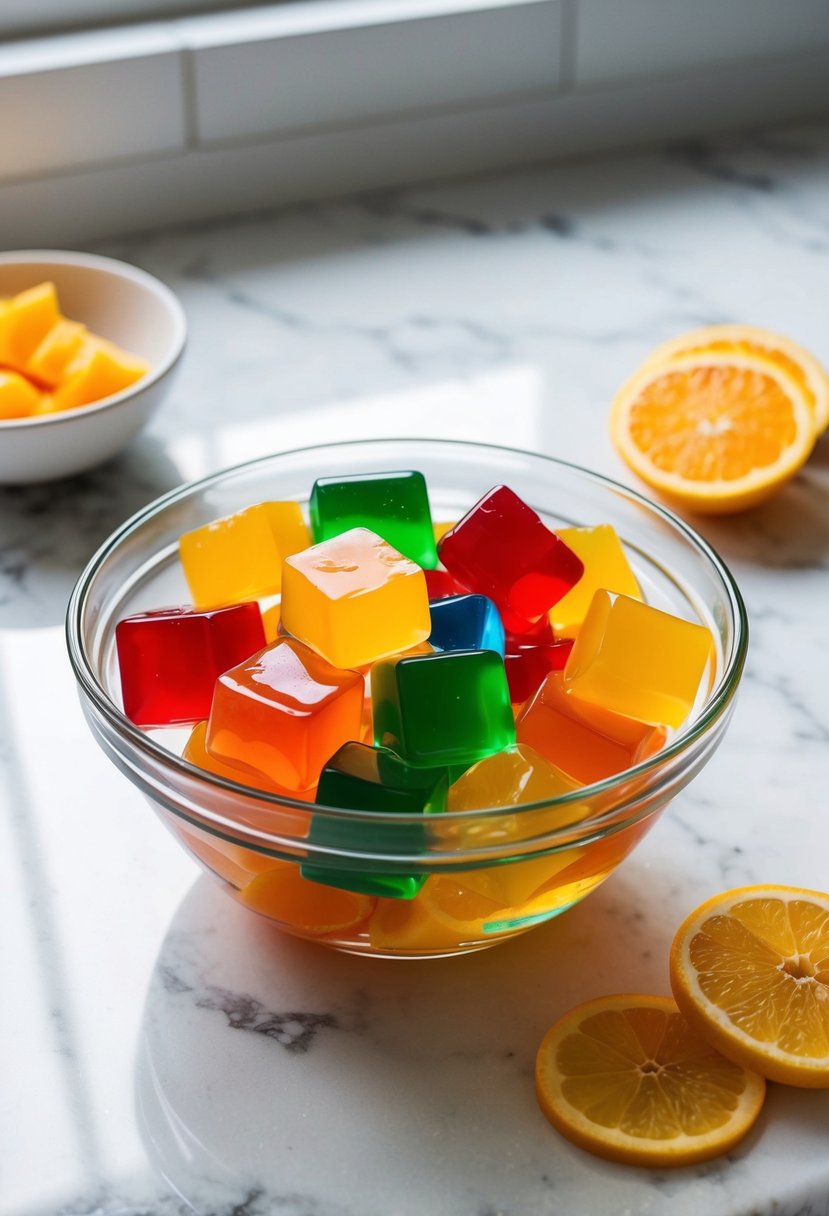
502,548
440,585
528,664
170,659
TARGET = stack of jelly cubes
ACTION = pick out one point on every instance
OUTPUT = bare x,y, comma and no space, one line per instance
356,662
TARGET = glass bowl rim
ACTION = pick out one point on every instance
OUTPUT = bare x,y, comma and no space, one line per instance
719,698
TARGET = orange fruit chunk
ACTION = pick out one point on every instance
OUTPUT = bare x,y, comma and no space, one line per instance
59,346
18,398
628,1078
308,907
750,969
100,370
25,320
717,432
798,363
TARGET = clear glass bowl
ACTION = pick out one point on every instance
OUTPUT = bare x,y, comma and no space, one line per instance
490,874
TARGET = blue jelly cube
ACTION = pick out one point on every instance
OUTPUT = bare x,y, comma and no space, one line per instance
466,622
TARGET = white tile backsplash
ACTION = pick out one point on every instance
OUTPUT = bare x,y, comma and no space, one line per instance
623,40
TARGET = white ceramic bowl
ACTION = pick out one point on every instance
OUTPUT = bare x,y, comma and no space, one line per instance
118,302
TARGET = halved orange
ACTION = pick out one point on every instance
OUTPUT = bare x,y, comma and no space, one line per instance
628,1078
750,969
752,339
715,432
308,907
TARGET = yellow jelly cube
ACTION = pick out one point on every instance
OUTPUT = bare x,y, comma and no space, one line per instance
18,398
240,557
55,351
638,661
605,568
509,778
100,370
25,321
355,599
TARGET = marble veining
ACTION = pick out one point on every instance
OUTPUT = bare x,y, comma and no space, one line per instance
167,1051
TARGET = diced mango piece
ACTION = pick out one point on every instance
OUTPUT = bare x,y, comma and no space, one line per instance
18,398
100,370
55,352
24,323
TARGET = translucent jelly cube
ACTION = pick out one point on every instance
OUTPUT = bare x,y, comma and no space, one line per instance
528,664
442,709
196,753
394,505
284,712
170,659
355,599
240,557
466,622
440,584
586,741
605,568
369,779
638,661
501,548
509,778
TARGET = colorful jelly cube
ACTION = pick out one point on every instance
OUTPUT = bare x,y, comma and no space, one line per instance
512,778
369,779
240,556
605,568
440,584
466,622
355,599
442,710
284,712
502,549
394,505
196,753
586,741
638,661
170,659
528,664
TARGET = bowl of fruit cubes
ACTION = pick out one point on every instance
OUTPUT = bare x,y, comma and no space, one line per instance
88,347
407,698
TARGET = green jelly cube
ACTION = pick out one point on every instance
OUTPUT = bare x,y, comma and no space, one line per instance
442,710
369,779
394,505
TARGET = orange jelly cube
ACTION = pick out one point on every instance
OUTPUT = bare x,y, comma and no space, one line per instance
355,599
195,752
284,712
638,661
586,741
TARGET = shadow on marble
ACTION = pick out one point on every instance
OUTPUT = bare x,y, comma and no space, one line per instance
49,532
790,532
277,1075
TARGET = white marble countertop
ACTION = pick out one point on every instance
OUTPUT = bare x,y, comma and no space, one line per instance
163,1050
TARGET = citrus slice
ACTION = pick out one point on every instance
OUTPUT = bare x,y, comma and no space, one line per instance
628,1078
751,339
308,907
444,917
750,969
714,432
